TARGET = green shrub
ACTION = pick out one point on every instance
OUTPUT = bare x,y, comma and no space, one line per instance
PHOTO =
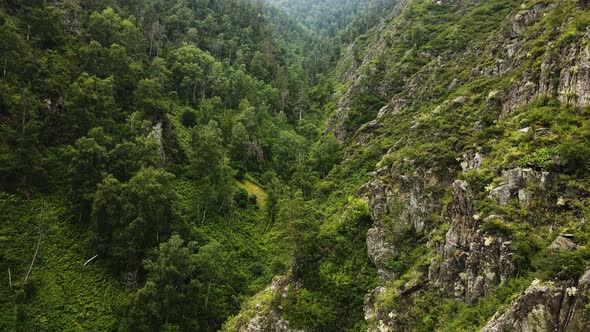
575,156
526,247
277,267
544,158
497,227
308,310
567,265
189,118
241,197
478,180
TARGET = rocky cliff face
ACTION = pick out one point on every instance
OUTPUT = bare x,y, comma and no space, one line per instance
547,306
564,70
261,314
473,183
397,198
471,262
471,252
355,79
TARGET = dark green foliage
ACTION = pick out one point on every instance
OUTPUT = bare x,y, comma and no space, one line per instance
299,224
58,287
148,98
332,18
129,218
90,103
241,197
366,107
139,114
526,247
408,242
325,154
562,265
189,118
497,227
209,167
86,169
478,180
309,310
166,301
543,158
575,156
335,279
21,130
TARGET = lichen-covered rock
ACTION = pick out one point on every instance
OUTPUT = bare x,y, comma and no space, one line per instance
384,318
470,263
370,299
336,123
380,251
261,315
547,307
396,196
471,161
523,20
562,243
565,73
399,196
515,182
574,78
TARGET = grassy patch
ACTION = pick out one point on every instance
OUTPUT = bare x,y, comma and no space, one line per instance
254,189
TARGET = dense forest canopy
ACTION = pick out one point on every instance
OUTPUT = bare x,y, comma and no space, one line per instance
331,18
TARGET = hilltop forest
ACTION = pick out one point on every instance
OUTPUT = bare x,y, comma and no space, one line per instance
294,165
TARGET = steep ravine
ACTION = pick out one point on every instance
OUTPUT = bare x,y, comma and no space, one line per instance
477,206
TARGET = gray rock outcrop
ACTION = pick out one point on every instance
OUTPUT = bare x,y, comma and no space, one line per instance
471,263
262,315
515,182
396,197
546,307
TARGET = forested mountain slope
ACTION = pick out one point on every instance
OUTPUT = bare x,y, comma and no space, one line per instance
219,164
146,150
464,131
344,18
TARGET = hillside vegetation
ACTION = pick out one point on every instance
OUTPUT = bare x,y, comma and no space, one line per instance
236,165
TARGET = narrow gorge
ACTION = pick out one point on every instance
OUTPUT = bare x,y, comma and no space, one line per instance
295,165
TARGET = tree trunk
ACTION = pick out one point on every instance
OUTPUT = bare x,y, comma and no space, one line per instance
204,214
35,255
294,244
151,44
5,60
207,296
23,123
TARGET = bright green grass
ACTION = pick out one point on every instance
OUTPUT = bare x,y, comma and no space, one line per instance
254,189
